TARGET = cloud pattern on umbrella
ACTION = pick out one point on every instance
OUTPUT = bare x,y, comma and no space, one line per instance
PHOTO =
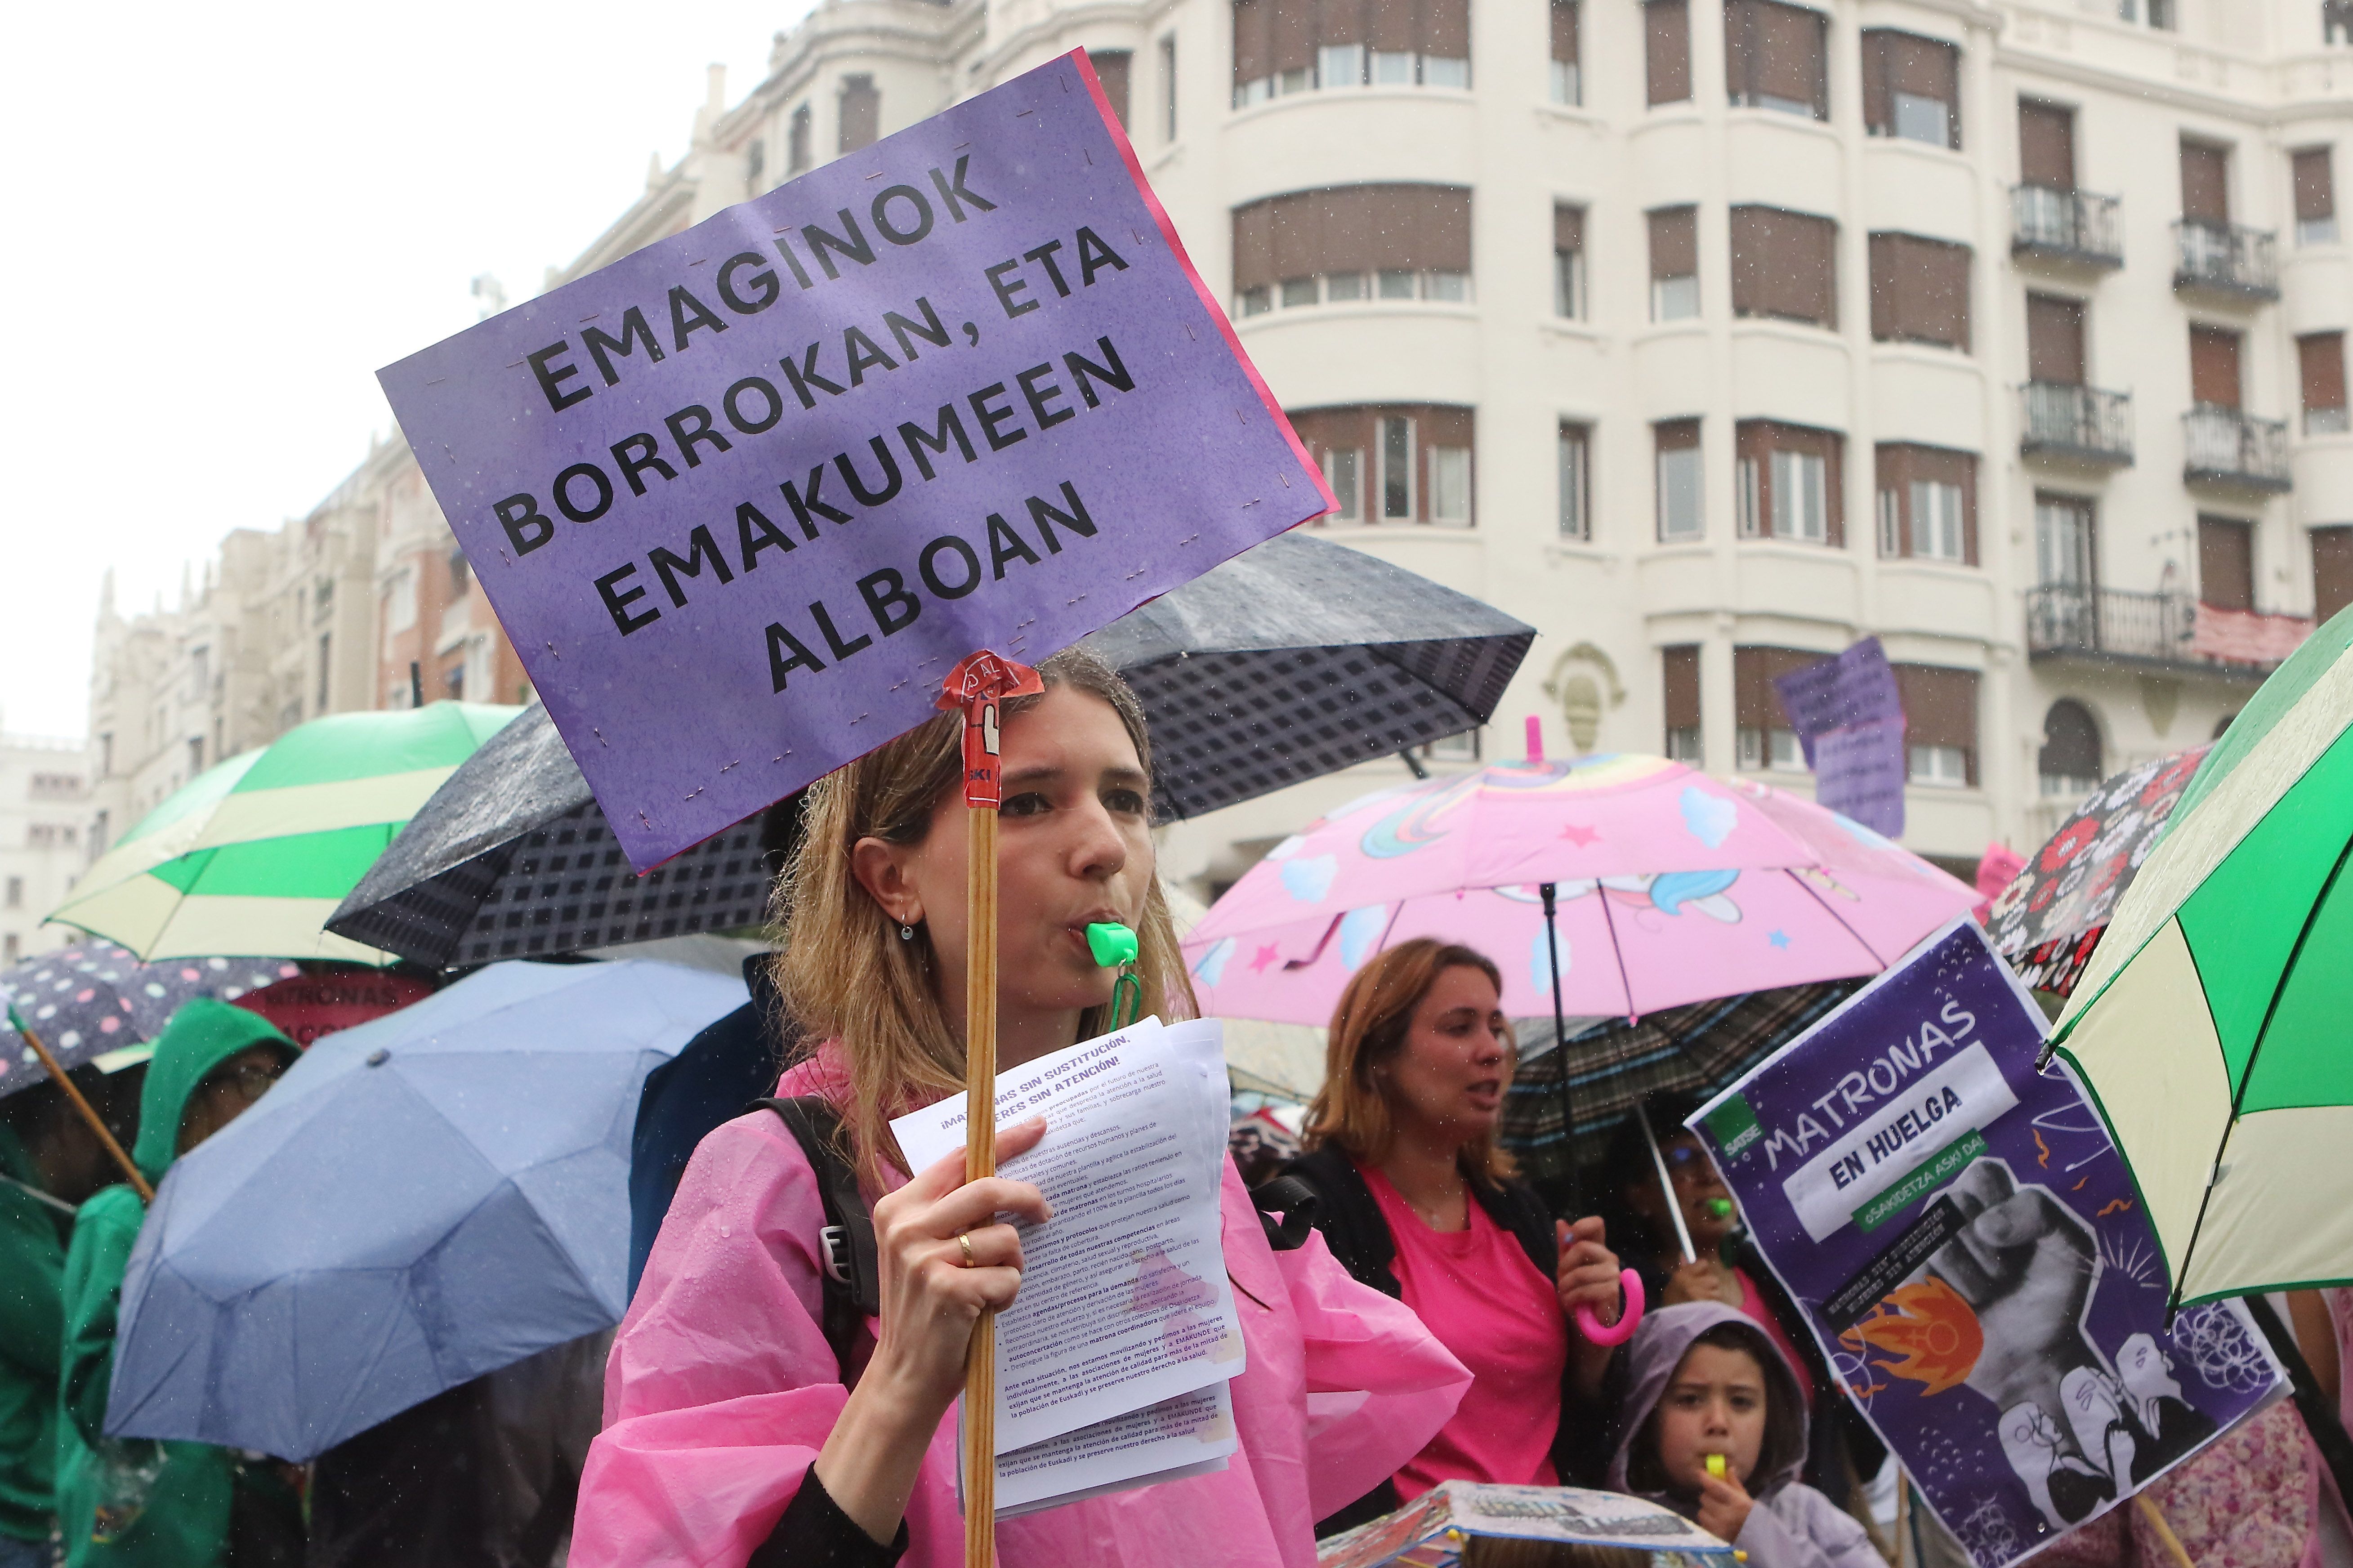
96,996
1672,888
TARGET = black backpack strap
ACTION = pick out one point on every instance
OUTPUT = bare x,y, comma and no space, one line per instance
852,1280
1295,1202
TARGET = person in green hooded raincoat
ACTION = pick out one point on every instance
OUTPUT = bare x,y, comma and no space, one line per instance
49,1161
132,1503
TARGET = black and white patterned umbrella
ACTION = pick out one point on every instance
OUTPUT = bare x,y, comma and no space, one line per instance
1295,659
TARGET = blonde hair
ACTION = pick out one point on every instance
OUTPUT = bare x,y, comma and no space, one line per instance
840,964
1368,1029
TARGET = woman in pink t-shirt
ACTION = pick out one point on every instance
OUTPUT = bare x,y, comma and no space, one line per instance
1416,1200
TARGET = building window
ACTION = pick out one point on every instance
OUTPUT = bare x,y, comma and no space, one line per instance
1784,265
1456,748
400,601
1576,520
1568,262
1169,86
2321,358
2315,196
1679,688
1345,243
755,163
2158,11
1911,87
2205,183
2068,762
195,755
1775,57
1761,730
1285,47
2054,340
1927,503
1679,479
2336,21
796,143
2046,146
16,893
1111,71
1566,86
1674,263
2214,367
2226,562
2332,571
326,670
1789,482
2065,538
9,948
461,573
860,106
1940,724
1666,50
1392,464
1919,290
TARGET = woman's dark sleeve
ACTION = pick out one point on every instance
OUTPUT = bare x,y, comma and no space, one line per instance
813,1532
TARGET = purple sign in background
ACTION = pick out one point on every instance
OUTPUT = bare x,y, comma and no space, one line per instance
743,498
1849,718
1971,1254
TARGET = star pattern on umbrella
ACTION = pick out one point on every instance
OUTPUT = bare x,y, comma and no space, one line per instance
1581,835
1779,939
1264,957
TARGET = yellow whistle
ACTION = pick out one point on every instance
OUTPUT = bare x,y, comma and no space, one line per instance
1715,1466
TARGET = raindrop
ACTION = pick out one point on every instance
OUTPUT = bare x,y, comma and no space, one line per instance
51,1011
231,992
70,1039
259,980
216,963
152,989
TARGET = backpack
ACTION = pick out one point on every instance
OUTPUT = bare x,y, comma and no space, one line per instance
850,1283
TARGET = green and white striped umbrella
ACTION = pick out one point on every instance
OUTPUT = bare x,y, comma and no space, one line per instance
250,858
2214,1025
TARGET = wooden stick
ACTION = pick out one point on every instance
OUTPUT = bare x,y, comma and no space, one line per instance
2157,1521
88,1113
980,1160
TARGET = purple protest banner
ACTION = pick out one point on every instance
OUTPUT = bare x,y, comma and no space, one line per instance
1850,718
743,498
1972,1256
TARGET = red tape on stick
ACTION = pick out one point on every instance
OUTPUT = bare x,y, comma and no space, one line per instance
976,687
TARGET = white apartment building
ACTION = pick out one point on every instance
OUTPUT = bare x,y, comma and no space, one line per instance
44,794
1710,335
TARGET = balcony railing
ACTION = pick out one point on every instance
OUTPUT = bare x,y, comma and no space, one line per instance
2083,423
2066,226
2175,631
2226,446
2223,258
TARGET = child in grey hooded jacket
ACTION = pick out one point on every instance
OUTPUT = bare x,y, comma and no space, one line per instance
1704,1382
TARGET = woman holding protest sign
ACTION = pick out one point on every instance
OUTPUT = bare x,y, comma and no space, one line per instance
739,1429
1419,1202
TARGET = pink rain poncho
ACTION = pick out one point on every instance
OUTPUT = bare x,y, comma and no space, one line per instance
722,1389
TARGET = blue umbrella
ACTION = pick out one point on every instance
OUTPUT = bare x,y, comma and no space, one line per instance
420,1200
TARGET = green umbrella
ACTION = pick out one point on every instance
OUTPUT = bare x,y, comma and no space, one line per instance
250,858
2214,1025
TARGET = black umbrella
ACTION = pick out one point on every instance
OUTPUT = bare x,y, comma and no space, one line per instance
1293,659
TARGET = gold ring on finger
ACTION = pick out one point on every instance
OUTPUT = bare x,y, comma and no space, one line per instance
966,1242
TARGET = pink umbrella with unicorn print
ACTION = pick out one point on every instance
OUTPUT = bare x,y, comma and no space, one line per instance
1670,887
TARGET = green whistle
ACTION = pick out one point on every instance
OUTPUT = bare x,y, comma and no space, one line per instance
1720,1207
1111,944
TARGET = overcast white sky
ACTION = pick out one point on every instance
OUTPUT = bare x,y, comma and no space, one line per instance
223,217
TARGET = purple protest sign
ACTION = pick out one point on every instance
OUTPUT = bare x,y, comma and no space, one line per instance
1972,1256
743,498
1850,718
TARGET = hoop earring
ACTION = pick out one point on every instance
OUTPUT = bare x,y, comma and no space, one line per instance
906,933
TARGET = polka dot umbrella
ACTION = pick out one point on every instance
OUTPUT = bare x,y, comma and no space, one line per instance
96,998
